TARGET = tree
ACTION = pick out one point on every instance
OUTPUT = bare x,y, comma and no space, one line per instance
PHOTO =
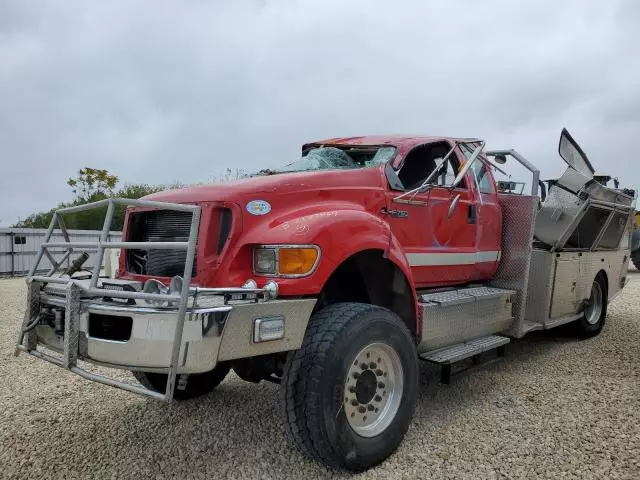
91,182
94,184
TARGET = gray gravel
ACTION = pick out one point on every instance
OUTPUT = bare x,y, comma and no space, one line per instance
554,408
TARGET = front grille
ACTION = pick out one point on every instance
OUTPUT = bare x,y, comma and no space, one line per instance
170,226
159,226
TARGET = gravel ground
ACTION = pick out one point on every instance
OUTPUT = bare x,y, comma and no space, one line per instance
554,408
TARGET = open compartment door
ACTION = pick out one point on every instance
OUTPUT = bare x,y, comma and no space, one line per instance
571,153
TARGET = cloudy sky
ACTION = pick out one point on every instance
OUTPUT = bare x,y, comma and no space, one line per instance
160,91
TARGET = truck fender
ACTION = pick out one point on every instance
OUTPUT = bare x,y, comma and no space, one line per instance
340,234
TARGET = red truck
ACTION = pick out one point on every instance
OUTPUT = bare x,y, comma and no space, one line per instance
333,276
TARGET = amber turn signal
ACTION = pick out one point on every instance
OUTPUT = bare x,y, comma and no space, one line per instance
297,261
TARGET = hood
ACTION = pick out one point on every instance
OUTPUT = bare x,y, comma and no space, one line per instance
273,184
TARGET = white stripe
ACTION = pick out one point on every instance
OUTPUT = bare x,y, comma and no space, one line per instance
445,258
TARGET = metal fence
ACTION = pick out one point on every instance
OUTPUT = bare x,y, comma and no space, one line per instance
19,248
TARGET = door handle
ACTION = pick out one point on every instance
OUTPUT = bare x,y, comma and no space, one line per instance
472,214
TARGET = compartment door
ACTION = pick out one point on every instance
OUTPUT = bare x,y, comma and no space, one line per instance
566,291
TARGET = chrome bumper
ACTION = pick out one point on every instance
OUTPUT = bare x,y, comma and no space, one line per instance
210,334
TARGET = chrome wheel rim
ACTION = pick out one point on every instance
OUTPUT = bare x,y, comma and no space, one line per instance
593,312
373,389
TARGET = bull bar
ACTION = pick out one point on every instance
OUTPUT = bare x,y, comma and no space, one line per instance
77,294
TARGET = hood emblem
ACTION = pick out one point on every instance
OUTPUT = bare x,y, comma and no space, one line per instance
258,207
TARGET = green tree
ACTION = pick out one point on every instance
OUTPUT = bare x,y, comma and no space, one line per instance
92,185
91,182
36,220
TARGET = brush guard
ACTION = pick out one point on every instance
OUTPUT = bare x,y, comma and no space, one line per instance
75,293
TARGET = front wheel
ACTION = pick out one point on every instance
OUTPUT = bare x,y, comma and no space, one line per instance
349,392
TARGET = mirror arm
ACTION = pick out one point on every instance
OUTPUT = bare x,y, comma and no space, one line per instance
468,164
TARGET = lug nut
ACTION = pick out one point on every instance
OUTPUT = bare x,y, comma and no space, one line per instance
352,389
362,409
363,366
379,372
370,408
356,375
378,398
373,366
380,385
354,402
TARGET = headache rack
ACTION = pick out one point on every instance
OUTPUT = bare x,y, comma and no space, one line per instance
76,293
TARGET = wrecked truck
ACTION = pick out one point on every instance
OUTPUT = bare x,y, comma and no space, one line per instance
334,277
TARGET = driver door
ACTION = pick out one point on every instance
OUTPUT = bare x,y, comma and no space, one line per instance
450,246
440,249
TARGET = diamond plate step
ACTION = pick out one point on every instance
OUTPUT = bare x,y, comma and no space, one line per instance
460,351
464,295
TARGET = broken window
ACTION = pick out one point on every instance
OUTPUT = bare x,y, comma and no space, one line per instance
343,158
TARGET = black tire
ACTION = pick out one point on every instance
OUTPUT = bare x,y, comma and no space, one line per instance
197,384
313,385
635,259
592,321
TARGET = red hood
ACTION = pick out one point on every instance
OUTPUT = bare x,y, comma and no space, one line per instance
273,184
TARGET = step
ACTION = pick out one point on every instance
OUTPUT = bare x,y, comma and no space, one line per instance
464,295
454,316
461,351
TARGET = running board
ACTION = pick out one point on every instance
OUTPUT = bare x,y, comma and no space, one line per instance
447,356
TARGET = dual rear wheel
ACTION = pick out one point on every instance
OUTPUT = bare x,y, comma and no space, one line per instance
595,311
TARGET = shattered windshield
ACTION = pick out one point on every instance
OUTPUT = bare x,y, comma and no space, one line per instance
330,158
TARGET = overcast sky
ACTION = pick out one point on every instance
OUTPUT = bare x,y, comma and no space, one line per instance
159,91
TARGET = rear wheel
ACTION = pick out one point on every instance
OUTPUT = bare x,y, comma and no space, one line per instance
593,319
349,392
188,385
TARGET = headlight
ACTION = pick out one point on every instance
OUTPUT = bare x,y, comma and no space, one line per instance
264,261
285,260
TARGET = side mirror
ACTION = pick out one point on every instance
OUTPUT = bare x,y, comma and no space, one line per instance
501,159
453,205
467,165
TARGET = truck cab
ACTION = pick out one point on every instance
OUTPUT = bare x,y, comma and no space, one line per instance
450,234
